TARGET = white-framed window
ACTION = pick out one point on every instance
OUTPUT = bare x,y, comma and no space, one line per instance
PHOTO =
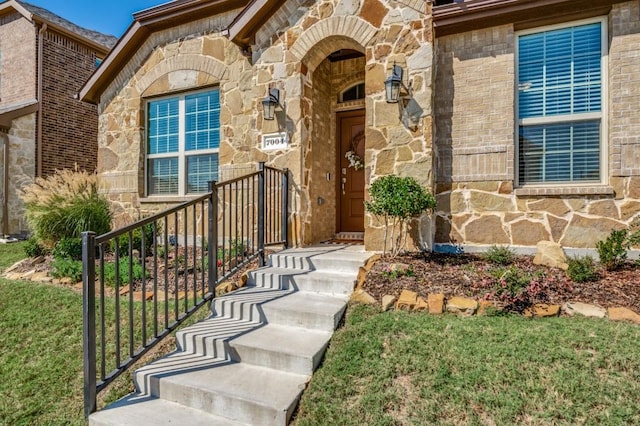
560,103
183,138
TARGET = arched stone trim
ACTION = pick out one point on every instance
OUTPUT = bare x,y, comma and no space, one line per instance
316,43
205,64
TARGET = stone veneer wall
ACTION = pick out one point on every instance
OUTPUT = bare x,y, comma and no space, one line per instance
475,137
21,139
288,51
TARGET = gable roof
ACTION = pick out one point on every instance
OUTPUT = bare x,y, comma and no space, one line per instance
145,23
101,42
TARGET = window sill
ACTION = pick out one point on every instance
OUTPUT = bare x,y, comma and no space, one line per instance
565,190
167,199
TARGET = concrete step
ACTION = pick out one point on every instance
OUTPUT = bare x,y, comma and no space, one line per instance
136,410
331,283
211,336
244,303
306,310
291,349
238,391
326,257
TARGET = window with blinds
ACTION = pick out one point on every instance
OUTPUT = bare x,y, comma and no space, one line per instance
560,104
183,138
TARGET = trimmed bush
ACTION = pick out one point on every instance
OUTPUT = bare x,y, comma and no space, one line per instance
499,255
136,240
613,250
123,270
396,200
64,267
582,269
32,248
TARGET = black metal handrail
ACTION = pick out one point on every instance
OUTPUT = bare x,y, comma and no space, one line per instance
166,266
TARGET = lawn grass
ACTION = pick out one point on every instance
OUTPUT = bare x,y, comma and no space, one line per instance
399,368
41,379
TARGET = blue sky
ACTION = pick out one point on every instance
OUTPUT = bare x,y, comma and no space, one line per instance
109,17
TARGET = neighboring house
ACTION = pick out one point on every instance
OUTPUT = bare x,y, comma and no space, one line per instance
44,61
521,115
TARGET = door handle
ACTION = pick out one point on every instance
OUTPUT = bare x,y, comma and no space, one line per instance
344,180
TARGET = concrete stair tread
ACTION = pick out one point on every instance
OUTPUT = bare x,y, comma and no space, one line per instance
136,410
299,341
308,302
260,385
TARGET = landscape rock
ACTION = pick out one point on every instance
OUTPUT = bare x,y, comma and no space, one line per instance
487,306
42,277
436,303
584,309
387,302
361,296
462,306
623,314
421,304
542,310
407,300
550,254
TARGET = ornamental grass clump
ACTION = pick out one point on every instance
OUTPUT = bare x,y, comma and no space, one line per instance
64,205
396,200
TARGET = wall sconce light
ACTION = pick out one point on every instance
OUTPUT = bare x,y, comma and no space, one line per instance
269,103
393,84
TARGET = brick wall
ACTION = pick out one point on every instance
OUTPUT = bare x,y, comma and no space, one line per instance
474,105
17,60
69,127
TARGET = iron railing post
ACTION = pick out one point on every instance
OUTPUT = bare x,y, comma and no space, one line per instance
261,218
212,249
89,320
285,207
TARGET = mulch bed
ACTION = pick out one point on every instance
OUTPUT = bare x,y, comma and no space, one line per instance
469,275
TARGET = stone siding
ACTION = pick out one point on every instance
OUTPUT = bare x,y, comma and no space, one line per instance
288,54
22,168
477,201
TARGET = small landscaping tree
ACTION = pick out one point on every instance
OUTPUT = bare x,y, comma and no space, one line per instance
396,200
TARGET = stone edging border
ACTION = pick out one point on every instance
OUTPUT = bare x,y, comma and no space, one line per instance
437,304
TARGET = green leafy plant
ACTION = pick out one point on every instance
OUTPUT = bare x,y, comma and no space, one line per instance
613,250
68,247
582,269
136,240
499,255
62,267
516,288
123,272
63,205
397,270
33,248
397,200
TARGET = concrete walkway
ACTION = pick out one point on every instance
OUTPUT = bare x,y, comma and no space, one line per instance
248,363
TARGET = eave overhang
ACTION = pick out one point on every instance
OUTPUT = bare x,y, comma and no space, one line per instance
246,24
476,14
145,23
10,113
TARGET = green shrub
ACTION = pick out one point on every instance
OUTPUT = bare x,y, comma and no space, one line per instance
32,248
68,248
64,267
136,240
64,205
397,270
517,288
499,255
582,269
613,250
123,269
396,200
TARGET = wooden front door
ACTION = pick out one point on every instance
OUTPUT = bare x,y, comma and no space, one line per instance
350,126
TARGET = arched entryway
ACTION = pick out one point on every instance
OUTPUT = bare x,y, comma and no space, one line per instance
336,146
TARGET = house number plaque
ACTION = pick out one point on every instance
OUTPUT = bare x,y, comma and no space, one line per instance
275,141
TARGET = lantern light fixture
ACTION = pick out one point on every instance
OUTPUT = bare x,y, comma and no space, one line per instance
393,84
270,102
